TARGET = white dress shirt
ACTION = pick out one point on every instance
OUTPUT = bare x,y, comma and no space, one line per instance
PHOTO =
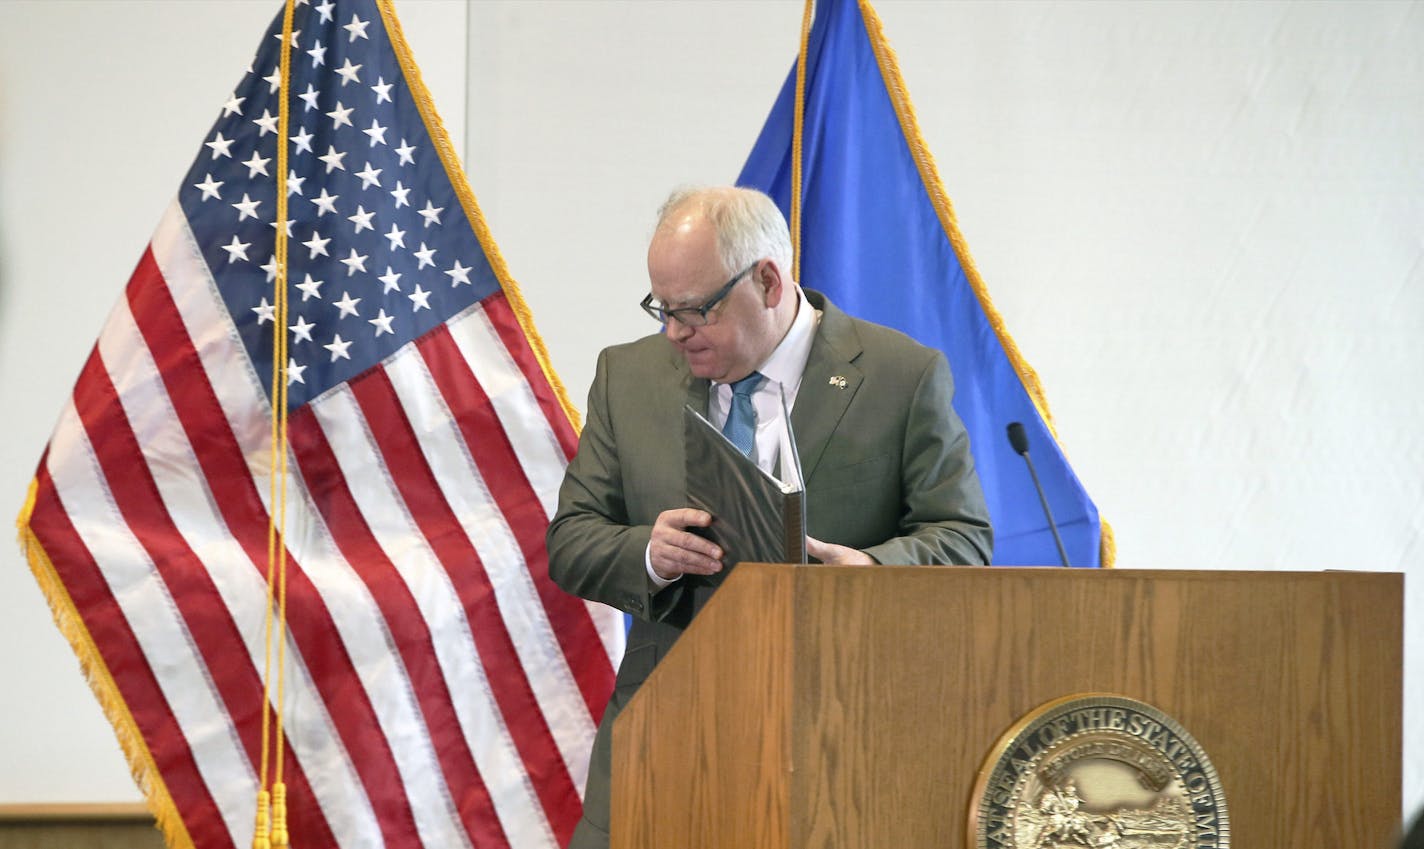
783,371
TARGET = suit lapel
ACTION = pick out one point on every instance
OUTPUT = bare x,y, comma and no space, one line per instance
828,385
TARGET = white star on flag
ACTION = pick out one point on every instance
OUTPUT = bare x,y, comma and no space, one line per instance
397,238
400,194
431,213
340,116
257,165
348,73
391,279
376,132
209,187
354,263
459,274
370,176
317,245
309,97
333,158
301,331
220,146
247,207
338,348
302,140
237,249
310,288
357,28
406,152
382,90
347,305
325,203
267,123
382,322
362,219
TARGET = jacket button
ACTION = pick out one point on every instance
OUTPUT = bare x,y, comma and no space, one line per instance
635,604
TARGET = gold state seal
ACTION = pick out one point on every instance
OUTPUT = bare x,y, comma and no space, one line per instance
1098,771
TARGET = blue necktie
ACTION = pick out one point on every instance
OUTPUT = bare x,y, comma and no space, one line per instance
740,427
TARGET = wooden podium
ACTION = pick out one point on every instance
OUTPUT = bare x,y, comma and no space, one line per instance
855,706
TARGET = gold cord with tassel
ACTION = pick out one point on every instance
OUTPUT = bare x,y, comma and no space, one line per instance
271,821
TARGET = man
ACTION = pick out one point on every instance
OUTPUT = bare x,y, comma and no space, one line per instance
886,463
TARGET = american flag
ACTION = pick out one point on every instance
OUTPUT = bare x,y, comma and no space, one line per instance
440,691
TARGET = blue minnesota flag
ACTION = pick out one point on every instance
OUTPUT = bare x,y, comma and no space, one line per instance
876,233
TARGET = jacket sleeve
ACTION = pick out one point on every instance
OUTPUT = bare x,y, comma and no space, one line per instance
594,550
943,519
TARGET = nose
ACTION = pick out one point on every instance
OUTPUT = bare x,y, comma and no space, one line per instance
677,331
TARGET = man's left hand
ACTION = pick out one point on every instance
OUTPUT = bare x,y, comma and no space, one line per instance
829,552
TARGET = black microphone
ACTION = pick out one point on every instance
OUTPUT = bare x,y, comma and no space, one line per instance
1019,440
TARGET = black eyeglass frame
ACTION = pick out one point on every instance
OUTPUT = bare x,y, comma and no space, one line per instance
684,315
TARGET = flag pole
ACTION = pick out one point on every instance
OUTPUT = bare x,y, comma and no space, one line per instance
800,113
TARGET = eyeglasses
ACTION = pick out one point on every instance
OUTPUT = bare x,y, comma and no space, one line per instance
692,316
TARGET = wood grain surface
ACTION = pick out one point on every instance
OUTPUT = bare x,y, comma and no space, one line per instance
854,707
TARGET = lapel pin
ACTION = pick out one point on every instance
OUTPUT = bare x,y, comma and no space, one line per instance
837,381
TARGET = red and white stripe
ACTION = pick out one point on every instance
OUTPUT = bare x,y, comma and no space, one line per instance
440,690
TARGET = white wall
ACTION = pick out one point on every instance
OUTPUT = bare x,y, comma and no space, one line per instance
1203,222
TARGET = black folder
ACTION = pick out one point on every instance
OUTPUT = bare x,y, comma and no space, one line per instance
756,518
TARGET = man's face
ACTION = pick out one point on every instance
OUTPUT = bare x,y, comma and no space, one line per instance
685,270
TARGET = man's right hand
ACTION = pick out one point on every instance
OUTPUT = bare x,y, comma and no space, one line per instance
673,551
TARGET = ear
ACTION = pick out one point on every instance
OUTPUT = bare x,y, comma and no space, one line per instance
772,282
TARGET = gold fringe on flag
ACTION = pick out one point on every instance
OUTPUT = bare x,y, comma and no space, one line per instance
66,617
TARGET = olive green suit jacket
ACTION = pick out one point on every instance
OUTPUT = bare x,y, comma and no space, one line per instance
884,457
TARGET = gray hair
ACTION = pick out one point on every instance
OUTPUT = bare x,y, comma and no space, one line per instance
749,225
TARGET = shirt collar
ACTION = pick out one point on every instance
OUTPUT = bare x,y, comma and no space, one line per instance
788,361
